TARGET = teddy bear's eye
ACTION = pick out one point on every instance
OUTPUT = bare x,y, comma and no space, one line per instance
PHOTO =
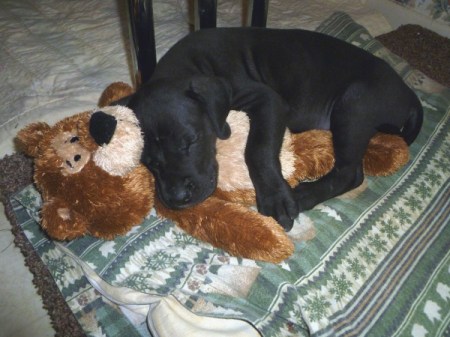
74,139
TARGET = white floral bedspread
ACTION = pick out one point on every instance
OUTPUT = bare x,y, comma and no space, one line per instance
56,57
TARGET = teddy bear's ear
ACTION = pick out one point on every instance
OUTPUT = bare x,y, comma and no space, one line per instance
114,92
28,138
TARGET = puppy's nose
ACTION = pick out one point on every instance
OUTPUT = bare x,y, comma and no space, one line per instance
182,193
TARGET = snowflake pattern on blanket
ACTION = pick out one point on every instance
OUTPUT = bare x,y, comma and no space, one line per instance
379,264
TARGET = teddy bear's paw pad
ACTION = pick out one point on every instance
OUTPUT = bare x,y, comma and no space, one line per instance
64,213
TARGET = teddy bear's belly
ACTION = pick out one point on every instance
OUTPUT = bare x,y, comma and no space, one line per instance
233,172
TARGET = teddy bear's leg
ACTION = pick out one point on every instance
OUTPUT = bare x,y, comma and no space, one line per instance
314,154
245,197
60,222
127,208
385,155
107,231
234,228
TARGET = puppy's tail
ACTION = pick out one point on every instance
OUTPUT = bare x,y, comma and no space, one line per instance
413,124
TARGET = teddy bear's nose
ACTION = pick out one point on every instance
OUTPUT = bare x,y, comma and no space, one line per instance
102,127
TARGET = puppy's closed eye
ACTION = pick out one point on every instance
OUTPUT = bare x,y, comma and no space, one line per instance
187,143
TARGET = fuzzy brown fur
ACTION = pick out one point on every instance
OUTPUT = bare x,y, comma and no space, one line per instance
89,200
234,228
314,158
114,92
224,219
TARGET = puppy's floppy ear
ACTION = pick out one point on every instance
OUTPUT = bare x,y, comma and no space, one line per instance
214,93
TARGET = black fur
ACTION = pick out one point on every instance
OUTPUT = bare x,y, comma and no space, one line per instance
281,78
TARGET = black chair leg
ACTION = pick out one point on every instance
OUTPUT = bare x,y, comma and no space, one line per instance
205,14
143,31
258,10
143,34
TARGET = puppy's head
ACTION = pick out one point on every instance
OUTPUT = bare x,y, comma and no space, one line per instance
181,120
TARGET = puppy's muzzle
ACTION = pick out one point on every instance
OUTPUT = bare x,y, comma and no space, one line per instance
180,195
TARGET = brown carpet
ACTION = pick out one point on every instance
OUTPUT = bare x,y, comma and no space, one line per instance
16,174
423,49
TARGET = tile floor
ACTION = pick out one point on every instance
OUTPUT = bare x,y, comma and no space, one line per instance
21,311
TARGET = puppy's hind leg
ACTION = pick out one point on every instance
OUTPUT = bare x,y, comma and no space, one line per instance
338,181
351,129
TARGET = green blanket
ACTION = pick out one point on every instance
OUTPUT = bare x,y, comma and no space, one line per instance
378,265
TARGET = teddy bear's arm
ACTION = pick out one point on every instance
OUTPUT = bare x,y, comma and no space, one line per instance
60,222
114,92
234,228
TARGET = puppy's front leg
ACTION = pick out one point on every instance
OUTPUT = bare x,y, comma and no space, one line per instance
268,114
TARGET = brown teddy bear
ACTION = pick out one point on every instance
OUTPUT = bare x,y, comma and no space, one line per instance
102,190
88,188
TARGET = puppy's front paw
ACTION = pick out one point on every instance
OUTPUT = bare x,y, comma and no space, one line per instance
281,206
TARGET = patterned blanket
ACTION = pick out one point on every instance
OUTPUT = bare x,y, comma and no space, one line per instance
378,265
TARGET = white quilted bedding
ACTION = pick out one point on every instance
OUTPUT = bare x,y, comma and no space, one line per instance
56,56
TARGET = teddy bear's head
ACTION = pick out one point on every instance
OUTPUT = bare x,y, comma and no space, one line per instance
110,137
87,168
64,148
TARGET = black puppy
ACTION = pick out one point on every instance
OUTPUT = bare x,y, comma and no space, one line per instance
281,78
